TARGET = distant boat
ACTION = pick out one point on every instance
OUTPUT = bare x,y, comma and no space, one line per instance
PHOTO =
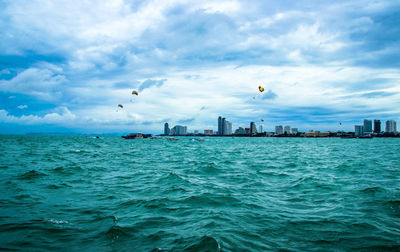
172,139
156,137
197,139
136,136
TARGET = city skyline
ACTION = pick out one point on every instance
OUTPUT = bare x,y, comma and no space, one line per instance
221,128
66,65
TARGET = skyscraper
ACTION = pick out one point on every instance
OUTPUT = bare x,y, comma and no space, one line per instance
219,125
223,126
279,130
358,130
390,126
166,129
367,126
287,130
253,128
227,128
377,126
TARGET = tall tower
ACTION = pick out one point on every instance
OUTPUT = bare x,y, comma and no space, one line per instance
166,129
219,125
391,126
367,126
377,126
223,126
253,128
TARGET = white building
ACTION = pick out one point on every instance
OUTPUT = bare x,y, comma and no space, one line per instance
391,126
178,130
227,128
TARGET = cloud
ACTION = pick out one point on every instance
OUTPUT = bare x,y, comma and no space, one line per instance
188,120
42,83
22,106
269,95
60,116
375,94
125,85
200,60
151,83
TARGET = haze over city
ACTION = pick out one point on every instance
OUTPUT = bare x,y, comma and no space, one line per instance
66,65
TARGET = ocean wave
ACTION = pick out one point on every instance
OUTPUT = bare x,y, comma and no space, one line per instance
247,194
71,169
373,190
210,200
206,244
32,174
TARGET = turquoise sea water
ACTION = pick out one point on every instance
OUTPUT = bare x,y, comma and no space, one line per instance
230,194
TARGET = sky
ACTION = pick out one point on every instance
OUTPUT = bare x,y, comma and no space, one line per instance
65,65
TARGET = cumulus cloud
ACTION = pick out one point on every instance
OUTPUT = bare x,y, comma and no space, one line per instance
61,116
22,106
42,83
269,95
200,60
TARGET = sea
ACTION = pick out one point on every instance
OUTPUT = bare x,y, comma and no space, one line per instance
81,193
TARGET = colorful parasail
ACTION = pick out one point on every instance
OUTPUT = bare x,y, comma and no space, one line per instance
261,89
134,92
120,105
262,120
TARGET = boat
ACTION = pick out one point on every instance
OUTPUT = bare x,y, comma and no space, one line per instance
172,139
136,136
156,137
197,139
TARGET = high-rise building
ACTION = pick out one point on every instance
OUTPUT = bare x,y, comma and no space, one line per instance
377,126
179,130
287,130
219,125
279,130
247,130
166,129
196,132
227,128
358,130
367,126
260,129
223,128
390,126
295,130
253,128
